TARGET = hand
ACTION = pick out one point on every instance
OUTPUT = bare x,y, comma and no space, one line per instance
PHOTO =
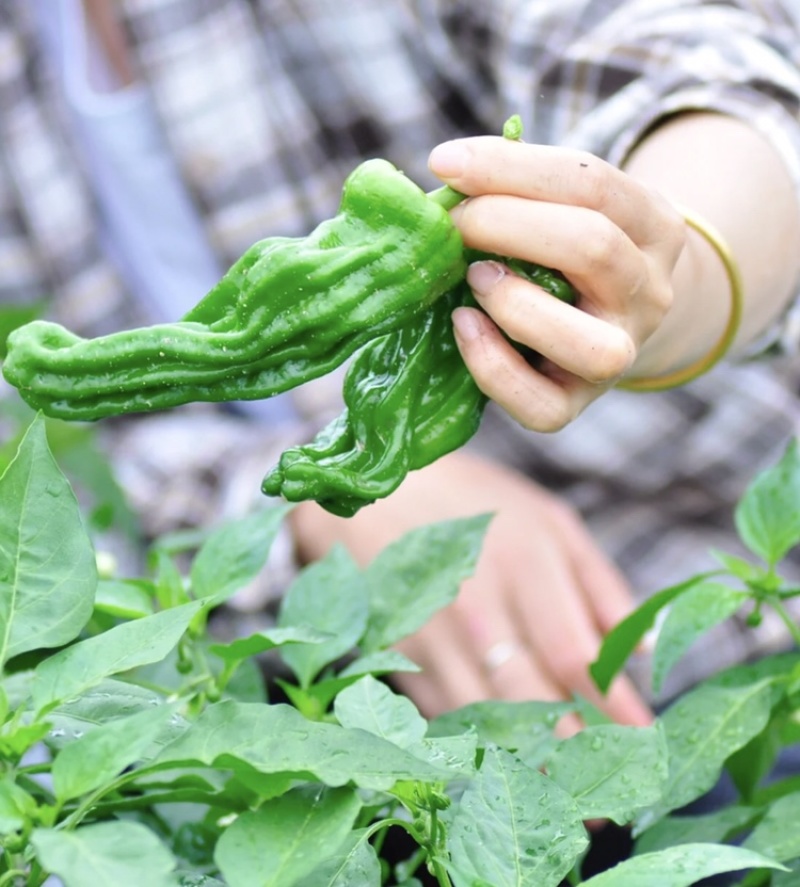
617,242
543,591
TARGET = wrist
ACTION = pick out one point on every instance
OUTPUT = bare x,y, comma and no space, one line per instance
705,319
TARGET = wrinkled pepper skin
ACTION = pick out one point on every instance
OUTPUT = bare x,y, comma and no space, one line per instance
288,311
409,399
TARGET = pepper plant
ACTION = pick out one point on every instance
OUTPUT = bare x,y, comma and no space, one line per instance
138,748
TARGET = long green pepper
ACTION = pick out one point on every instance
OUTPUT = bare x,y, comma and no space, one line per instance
288,311
381,278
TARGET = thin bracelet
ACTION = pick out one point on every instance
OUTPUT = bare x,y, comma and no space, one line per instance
703,364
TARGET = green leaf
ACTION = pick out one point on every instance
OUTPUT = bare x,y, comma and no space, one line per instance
48,573
330,595
456,753
419,574
378,663
611,771
125,600
623,639
170,590
17,688
748,766
98,757
268,639
680,866
235,553
354,865
77,668
708,828
776,668
694,613
524,728
513,827
737,566
15,742
276,739
287,837
702,729
319,695
370,705
16,806
75,448
777,835
768,514
108,854
109,701
247,683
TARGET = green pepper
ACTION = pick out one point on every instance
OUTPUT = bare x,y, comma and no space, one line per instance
409,399
289,310
379,280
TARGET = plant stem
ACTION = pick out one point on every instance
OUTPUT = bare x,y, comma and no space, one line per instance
440,874
11,875
446,196
33,769
437,868
437,842
36,876
574,877
74,819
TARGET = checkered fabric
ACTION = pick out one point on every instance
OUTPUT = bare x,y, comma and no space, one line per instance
268,104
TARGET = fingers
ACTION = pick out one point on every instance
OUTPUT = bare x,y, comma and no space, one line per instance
565,634
616,279
577,341
605,589
545,403
501,651
492,165
450,677
519,647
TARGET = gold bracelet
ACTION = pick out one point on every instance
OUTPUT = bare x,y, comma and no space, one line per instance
703,364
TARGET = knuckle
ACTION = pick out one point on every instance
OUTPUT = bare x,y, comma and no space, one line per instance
674,226
661,298
603,246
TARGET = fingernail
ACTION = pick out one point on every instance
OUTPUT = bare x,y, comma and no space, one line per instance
465,325
482,276
447,160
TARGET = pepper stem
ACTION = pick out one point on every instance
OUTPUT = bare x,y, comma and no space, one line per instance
446,196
